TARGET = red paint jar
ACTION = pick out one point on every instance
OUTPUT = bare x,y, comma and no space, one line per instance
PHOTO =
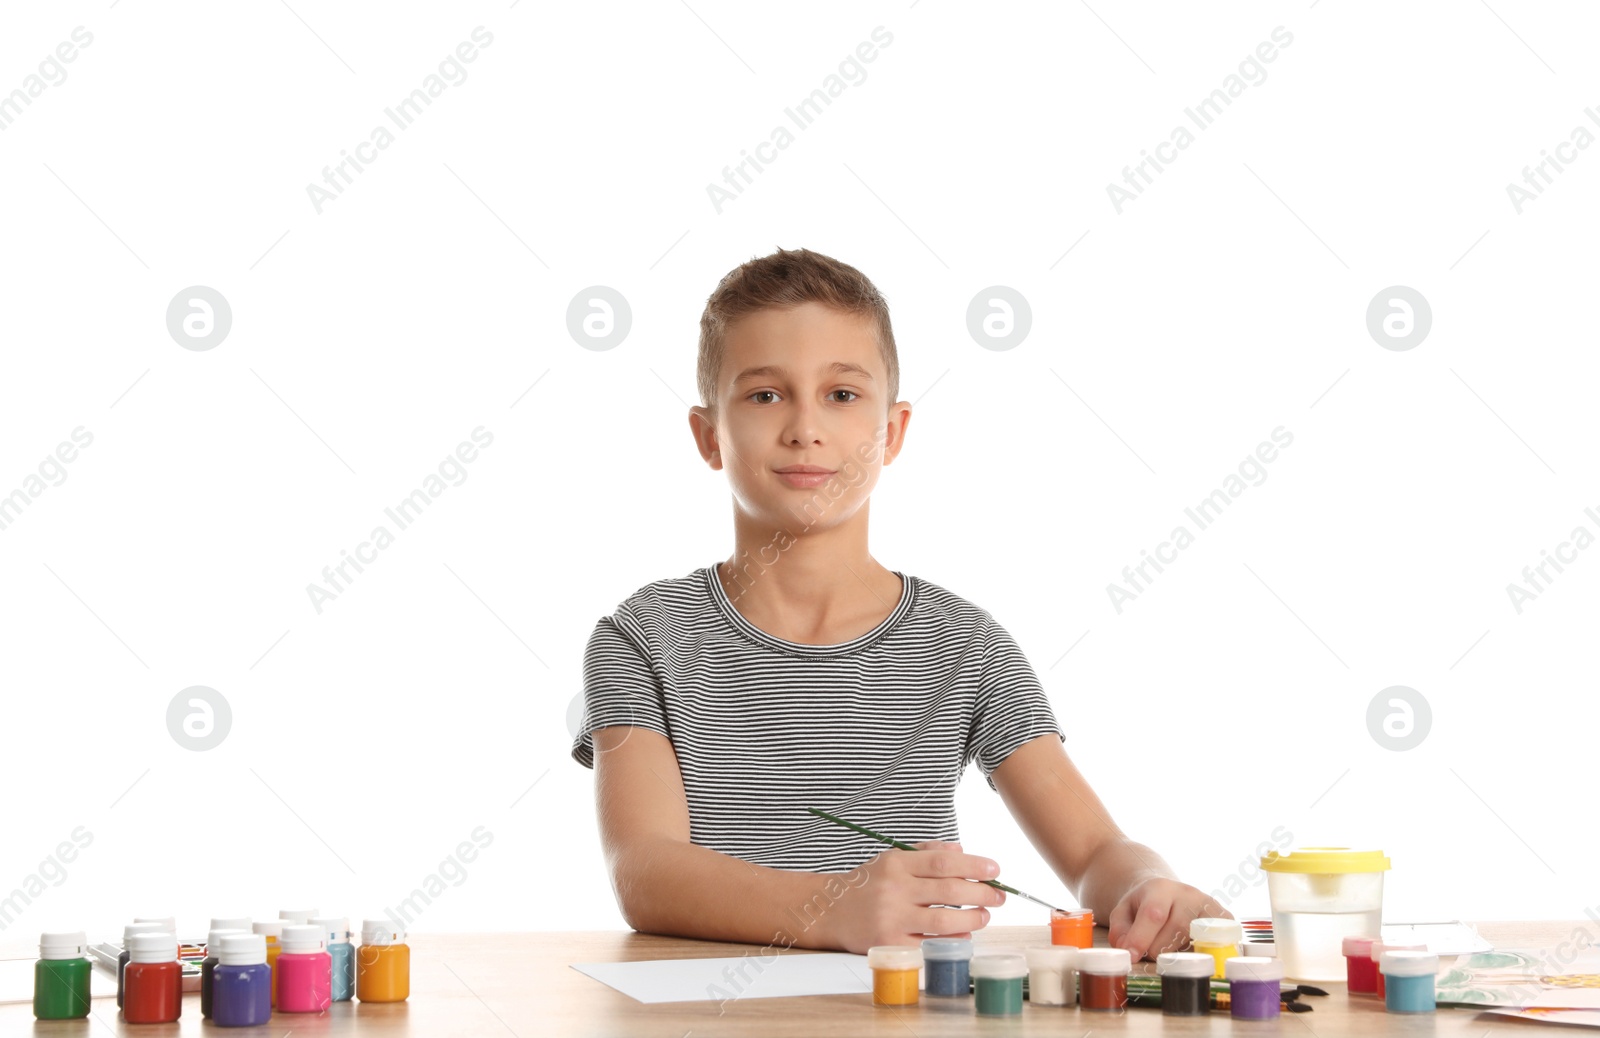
1361,972
1103,978
153,984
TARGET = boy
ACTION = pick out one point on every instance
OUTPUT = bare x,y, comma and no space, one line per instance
802,673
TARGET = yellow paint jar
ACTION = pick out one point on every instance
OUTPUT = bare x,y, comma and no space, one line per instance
272,930
1218,938
894,974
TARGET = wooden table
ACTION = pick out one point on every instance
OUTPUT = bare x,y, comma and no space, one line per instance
522,984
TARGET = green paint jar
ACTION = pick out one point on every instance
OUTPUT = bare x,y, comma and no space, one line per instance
61,977
997,983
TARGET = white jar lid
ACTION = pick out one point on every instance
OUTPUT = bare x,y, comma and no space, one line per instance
242,949
1052,957
152,947
301,939
1185,964
215,935
230,922
168,923
1408,963
381,931
894,957
1259,949
1378,948
138,928
1249,967
1104,960
999,965
1215,931
270,927
335,928
65,944
297,915
945,948
1360,947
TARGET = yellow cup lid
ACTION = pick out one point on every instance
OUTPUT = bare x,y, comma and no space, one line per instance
1325,860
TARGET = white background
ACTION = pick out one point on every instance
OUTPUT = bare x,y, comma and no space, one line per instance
1167,341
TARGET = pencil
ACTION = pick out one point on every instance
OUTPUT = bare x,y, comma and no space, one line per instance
864,831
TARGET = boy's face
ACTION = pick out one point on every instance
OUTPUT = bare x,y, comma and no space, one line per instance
806,386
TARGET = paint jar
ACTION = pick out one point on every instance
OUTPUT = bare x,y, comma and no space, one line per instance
1075,929
154,982
61,976
1378,948
1320,896
336,936
167,923
208,965
241,994
230,922
997,982
1103,978
1050,979
128,934
383,963
1360,970
894,974
1185,983
1218,938
272,930
1259,949
944,966
1254,986
302,916
304,971
1409,983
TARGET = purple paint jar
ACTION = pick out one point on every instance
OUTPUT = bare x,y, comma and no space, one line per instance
1253,986
241,984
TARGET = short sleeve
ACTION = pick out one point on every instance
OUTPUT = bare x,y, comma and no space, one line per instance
1012,707
620,687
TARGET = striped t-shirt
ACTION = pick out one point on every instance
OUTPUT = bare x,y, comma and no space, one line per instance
877,730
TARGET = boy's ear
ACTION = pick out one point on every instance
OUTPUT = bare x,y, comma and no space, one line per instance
704,426
895,433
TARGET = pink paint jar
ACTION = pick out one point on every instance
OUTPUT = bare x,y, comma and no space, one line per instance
304,974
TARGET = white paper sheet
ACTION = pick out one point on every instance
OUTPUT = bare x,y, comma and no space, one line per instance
774,975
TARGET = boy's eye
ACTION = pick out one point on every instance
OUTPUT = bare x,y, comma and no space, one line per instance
758,394
761,393
852,395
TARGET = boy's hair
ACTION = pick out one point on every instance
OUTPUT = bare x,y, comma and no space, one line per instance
783,281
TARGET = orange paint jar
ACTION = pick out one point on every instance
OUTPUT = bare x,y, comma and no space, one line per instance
383,963
1074,929
894,974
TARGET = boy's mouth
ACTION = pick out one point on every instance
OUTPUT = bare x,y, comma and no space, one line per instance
804,475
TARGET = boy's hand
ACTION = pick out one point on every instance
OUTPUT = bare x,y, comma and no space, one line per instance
896,903
1154,917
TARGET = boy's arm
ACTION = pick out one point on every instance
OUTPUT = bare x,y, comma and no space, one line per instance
665,884
1126,884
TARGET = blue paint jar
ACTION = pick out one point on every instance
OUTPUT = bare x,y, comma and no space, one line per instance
241,985
945,966
208,965
1408,980
336,937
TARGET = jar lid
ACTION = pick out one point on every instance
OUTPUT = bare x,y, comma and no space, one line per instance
1245,967
1185,964
335,928
945,948
1259,949
894,957
1325,861
1360,947
1378,948
381,931
137,928
1052,957
301,939
230,922
65,944
270,927
999,965
1408,963
1207,930
215,935
168,923
242,949
297,915
153,947
1104,960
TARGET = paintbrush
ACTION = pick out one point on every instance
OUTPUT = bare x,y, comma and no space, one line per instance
864,831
